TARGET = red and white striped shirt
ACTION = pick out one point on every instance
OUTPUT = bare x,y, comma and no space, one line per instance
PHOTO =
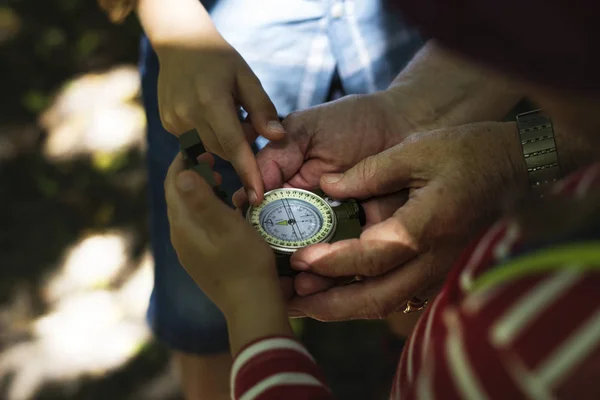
537,336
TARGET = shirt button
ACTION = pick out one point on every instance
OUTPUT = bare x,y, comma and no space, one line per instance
337,10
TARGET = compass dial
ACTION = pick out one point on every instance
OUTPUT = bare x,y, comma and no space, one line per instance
289,219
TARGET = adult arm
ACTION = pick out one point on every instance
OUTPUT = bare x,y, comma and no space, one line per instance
235,267
476,170
440,89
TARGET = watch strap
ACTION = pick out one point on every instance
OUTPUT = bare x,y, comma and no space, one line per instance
539,149
350,218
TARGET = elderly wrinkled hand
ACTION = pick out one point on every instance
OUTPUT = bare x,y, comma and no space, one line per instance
331,137
455,179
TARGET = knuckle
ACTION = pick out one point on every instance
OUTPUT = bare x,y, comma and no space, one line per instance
370,265
231,143
255,84
376,308
183,110
301,125
210,144
368,174
167,120
249,78
294,116
200,204
334,310
209,98
293,120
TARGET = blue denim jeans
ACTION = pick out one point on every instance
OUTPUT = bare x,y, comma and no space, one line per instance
180,314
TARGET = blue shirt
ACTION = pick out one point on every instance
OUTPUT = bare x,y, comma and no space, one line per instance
295,46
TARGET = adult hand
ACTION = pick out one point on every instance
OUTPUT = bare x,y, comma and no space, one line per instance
201,83
436,89
456,180
332,137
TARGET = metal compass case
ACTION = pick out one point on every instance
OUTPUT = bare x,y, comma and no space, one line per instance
288,219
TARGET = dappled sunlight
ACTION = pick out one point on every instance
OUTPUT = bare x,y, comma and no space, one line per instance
95,295
93,326
95,113
94,262
88,333
76,272
134,294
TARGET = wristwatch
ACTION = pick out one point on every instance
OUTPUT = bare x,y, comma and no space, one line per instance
539,149
288,219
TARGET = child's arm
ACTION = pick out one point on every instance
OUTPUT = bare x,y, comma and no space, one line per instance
203,81
235,267
274,368
157,12
268,362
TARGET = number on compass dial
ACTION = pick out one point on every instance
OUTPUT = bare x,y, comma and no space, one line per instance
291,220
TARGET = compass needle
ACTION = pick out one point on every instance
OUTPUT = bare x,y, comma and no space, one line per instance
319,218
289,219
312,219
292,220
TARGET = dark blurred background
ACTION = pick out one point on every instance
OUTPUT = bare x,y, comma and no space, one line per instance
75,272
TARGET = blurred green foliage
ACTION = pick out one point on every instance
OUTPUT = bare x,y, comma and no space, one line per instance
43,43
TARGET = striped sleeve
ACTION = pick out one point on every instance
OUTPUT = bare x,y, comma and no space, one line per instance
534,336
276,367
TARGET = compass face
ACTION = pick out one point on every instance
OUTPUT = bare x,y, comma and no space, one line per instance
289,219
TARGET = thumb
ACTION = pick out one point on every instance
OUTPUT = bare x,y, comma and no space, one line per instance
256,102
377,175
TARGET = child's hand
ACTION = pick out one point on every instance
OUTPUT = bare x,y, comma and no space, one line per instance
224,255
201,83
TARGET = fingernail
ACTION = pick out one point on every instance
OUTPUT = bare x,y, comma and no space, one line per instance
275,127
300,266
185,182
252,196
332,178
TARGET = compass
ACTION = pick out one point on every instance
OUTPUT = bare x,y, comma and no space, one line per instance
289,219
